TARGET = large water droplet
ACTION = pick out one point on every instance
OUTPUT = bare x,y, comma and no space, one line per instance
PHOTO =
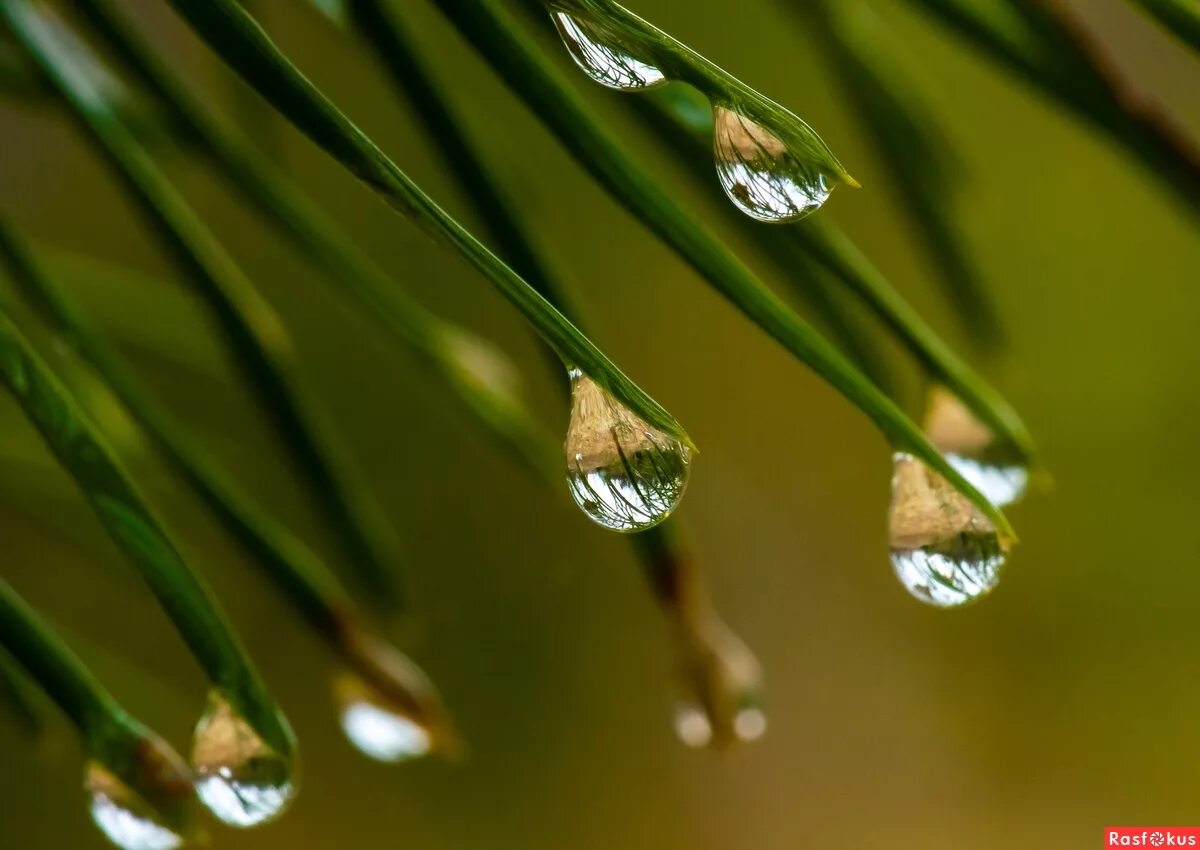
759,173
945,552
149,806
603,58
970,447
378,726
123,816
239,777
624,473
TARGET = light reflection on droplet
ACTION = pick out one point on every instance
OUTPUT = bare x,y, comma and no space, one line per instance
623,473
607,63
692,726
1002,484
126,819
239,777
944,551
384,735
750,724
970,447
760,174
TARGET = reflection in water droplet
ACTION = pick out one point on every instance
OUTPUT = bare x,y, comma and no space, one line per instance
378,727
123,816
692,726
970,448
239,777
624,473
607,63
944,551
758,172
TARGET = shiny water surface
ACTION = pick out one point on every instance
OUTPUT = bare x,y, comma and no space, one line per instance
970,447
239,777
124,817
623,473
608,63
760,174
944,551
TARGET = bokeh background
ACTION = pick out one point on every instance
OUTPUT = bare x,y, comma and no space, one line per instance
1066,701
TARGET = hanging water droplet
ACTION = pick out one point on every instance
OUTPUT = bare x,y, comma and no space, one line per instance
750,724
944,551
603,58
123,816
971,448
150,809
760,174
239,777
624,473
725,683
692,726
378,726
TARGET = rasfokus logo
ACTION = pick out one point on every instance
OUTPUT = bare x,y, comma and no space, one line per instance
1152,836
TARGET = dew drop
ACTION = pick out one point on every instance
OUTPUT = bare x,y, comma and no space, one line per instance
149,806
724,684
760,174
239,777
623,473
970,447
601,58
692,726
123,816
377,726
944,551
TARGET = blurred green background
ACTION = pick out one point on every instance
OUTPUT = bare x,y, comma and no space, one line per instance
1064,702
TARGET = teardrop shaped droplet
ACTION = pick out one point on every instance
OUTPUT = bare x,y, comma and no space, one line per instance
944,551
123,816
623,473
377,726
151,807
760,174
239,777
971,448
602,58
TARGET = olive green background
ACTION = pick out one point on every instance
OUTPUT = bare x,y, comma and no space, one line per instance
1065,702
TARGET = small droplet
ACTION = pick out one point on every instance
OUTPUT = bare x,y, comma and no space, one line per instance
750,724
150,809
602,59
692,726
624,473
239,777
970,447
944,551
759,173
724,684
377,726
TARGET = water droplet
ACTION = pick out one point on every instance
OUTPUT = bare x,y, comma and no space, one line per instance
725,681
624,473
377,726
945,552
750,724
970,447
602,58
239,777
760,174
692,726
149,806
